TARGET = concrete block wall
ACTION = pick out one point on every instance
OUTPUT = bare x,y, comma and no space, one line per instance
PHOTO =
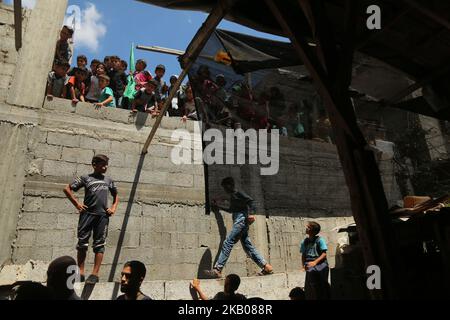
167,227
8,53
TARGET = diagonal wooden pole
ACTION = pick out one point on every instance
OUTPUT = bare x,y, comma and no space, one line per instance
18,23
188,59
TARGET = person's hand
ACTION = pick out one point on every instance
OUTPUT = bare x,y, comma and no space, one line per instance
311,264
251,219
184,119
75,101
98,105
111,211
49,97
195,284
81,208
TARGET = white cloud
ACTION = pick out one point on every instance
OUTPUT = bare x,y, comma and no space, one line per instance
91,29
28,3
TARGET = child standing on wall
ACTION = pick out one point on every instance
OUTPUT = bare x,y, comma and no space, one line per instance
314,262
94,212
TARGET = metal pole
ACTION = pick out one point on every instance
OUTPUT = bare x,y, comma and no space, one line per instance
188,59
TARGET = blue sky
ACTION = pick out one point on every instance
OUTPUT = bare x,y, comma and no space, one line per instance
109,27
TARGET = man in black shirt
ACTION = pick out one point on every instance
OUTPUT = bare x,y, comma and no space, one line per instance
133,275
94,212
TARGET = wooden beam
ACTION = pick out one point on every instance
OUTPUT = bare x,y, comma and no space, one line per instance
191,54
429,13
369,204
18,23
157,49
419,84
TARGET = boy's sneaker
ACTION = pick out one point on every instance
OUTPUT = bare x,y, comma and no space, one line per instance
267,270
213,274
92,279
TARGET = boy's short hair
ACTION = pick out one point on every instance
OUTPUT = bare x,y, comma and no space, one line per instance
315,227
297,294
59,63
234,281
124,64
160,67
80,70
115,58
69,29
153,82
138,269
107,58
229,181
82,57
104,77
99,159
143,62
95,61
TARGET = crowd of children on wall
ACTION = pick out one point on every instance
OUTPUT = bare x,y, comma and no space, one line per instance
104,83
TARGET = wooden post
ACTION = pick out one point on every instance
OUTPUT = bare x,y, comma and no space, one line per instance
188,59
18,23
332,72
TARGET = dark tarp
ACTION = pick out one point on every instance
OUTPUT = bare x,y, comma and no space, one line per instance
251,53
413,42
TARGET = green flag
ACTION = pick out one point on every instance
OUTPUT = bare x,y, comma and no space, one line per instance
130,90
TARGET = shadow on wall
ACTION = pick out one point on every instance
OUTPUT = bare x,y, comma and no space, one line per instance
206,262
126,217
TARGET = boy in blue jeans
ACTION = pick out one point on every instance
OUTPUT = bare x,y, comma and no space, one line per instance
240,203
314,262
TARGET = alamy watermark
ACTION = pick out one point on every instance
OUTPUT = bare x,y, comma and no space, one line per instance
374,277
232,147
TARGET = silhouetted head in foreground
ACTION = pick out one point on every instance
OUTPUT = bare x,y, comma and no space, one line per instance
297,294
61,276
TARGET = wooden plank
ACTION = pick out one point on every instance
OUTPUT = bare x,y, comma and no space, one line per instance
18,23
188,59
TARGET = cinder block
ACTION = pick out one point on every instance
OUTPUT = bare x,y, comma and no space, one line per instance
130,239
45,221
49,152
32,204
22,255
63,139
180,179
7,69
95,144
58,205
77,155
67,221
55,238
126,147
25,238
59,169
5,81
27,221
